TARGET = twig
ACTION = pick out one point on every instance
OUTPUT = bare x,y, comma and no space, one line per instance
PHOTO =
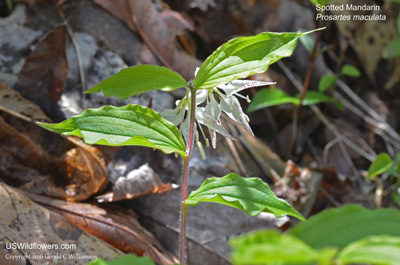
379,122
236,156
330,197
322,117
78,54
379,127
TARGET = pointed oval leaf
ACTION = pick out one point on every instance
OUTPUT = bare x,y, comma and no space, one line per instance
382,163
244,56
350,70
326,81
250,195
340,226
272,247
270,97
139,79
118,126
315,97
372,250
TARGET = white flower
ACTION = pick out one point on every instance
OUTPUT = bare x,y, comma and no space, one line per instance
209,105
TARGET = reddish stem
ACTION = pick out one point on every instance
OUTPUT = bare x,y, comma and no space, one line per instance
185,175
296,121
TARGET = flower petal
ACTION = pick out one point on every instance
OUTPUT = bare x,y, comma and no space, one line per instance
231,106
239,85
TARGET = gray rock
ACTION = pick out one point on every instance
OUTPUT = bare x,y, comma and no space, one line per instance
88,48
15,42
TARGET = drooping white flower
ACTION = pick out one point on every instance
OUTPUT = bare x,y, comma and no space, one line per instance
210,103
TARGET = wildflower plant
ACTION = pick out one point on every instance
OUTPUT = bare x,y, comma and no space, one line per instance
214,90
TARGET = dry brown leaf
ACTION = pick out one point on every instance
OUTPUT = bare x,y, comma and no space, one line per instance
114,225
43,162
158,30
12,100
139,182
119,9
224,21
44,73
155,33
160,38
23,221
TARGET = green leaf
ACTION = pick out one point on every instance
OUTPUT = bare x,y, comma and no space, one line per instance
270,97
350,70
124,260
272,247
118,126
392,50
244,56
398,162
139,79
372,250
341,226
320,2
250,195
315,97
326,81
381,164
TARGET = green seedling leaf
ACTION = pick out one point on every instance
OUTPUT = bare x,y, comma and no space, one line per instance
350,70
272,247
250,195
398,162
321,2
244,56
326,81
381,164
392,50
270,97
315,97
372,250
118,126
124,260
139,79
341,226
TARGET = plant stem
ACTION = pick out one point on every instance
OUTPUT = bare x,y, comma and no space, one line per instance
185,174
313,56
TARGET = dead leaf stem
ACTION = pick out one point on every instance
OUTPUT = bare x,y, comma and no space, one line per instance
77,51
